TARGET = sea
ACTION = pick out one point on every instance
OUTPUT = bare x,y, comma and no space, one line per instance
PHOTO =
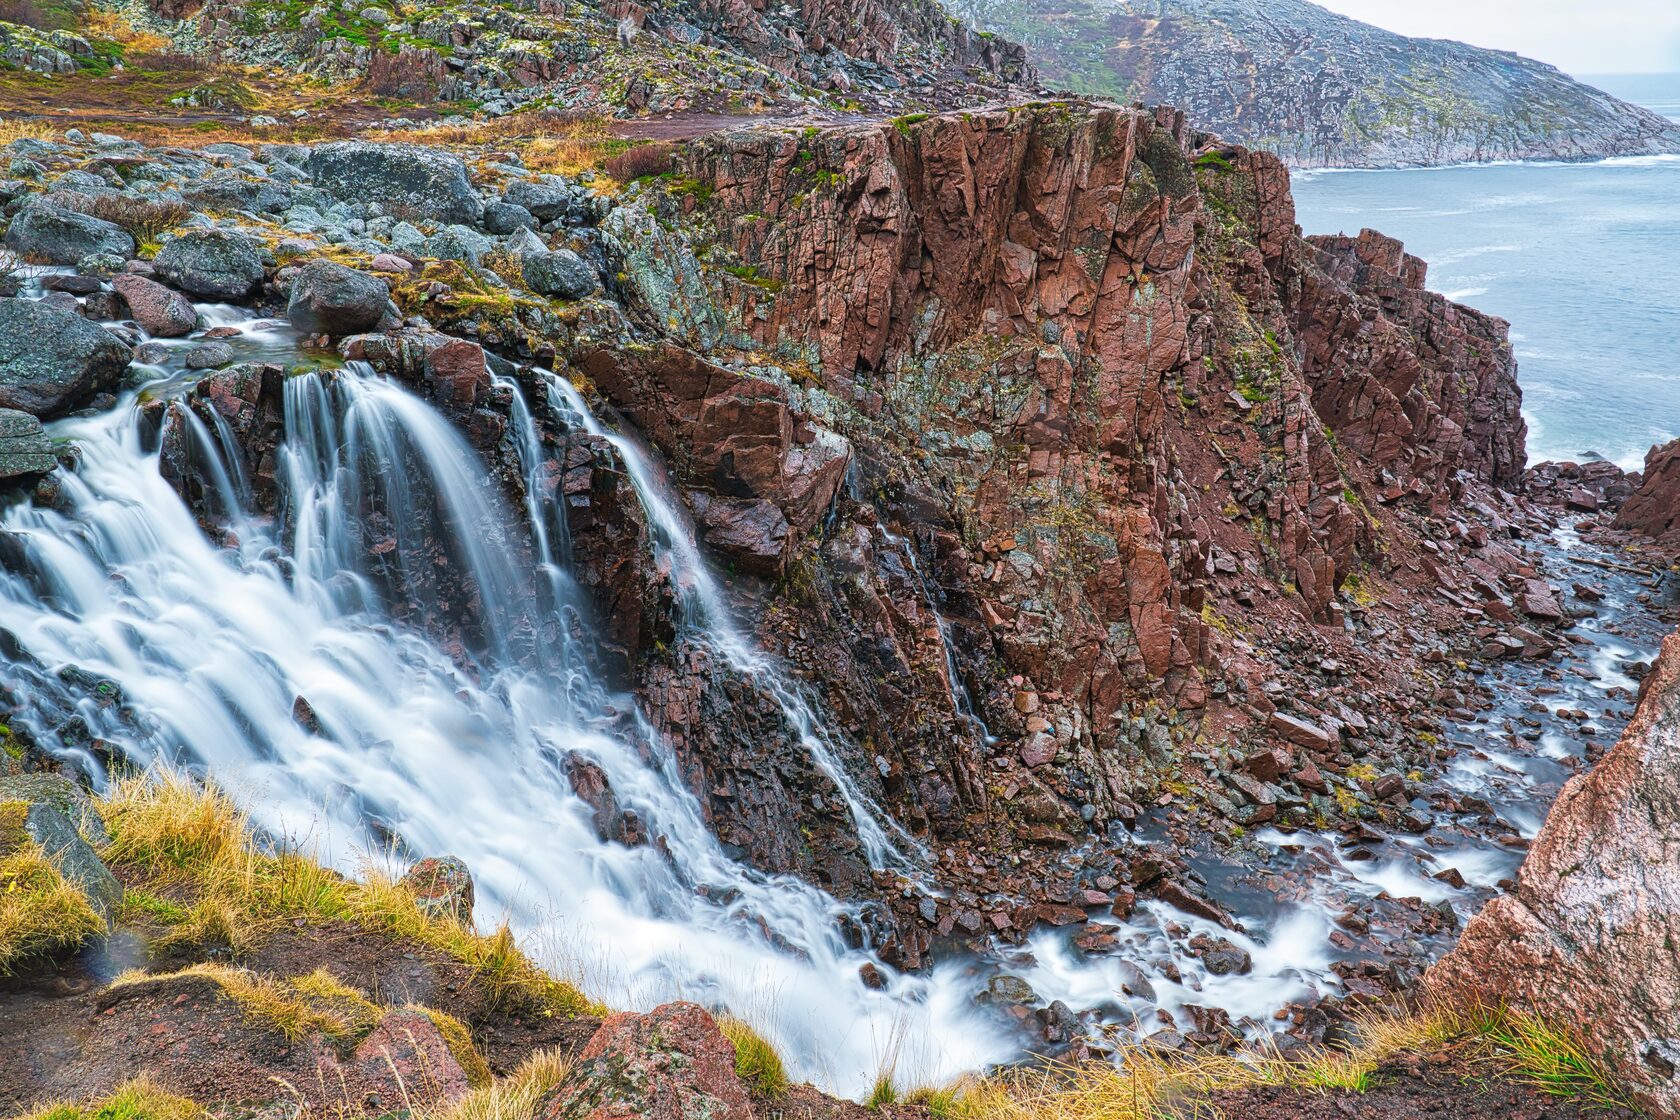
1583,260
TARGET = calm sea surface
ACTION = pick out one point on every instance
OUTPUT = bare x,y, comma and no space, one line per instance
1583,259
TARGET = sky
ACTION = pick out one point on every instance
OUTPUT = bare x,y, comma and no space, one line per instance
1578,36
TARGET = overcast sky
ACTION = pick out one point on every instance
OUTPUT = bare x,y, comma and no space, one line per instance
1579,36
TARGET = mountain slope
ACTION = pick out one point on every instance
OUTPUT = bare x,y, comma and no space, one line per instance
1319,88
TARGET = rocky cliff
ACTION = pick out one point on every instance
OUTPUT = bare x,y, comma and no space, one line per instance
1588,936
1320,89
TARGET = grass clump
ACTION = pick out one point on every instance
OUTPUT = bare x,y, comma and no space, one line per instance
294,1008
41,912
514,1097
459,1040
146,220
756,1062
140,1099
883,1092
193,838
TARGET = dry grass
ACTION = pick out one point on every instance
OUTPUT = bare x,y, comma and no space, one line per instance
141,1099
16,128
459,1040
104,23
175,831
144,219
1153,1085
549,142
756,1062
41,912
514,1097
295,1008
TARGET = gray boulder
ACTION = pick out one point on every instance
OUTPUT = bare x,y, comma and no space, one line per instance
208,355
161,312
50,359
25,453
503,218
328,298
559,273
458,243
51,234
211,263
74,856
62,794
546,199
407,180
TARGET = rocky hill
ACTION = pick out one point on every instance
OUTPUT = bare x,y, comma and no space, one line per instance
911,539
1318,88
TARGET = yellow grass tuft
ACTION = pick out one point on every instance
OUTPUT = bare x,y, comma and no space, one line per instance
14,128
177,831
140,1099
295,1009
514,1097
459,1040
756,1062
41,912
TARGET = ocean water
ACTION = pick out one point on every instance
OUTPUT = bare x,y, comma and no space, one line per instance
1583,259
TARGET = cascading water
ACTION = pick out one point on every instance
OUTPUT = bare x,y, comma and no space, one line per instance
163,645
705,608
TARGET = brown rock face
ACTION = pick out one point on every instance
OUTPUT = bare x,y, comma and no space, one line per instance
1589,936
1405,377
670,1064
1654,506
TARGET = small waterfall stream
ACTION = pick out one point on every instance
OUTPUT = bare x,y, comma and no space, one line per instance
202,654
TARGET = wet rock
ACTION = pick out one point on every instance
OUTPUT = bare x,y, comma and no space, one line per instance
208,355
409,181
25,451
1222,958
559,273
211,264
458,372
331,299
161,312
442,886
1587,938
669,1064
51,359
50,234
1005,990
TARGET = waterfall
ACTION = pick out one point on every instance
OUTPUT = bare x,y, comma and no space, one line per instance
201,652
705,608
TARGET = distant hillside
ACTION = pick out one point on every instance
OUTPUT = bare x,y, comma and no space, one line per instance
1319,88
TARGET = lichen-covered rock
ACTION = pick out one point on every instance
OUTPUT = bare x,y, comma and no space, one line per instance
442,886
1588,938
53,235
25,450
50,359
73,856
406,179
211,264
160,311
669,1064
331,299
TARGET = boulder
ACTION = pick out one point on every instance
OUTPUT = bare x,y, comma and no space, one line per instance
669,1064
74,856
50,359
544,199
503,218
407,180
25,451
52,235
559,273
328,298
1587,939
1653,508
160,311
442,887
212,264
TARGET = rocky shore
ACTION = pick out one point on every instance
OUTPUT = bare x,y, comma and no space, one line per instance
1165,580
